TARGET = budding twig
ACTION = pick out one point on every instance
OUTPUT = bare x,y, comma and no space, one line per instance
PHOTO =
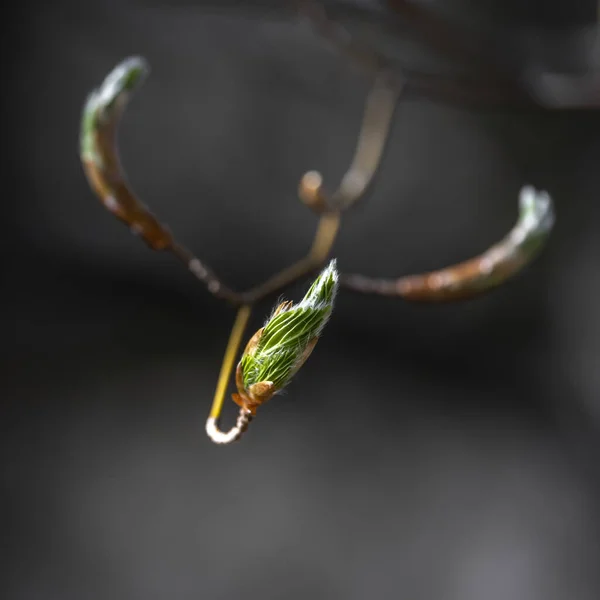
274,354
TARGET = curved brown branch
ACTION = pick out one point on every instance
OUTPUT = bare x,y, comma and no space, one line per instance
478,275
100,159
99,155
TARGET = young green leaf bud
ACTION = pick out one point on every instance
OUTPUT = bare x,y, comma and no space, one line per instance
277,350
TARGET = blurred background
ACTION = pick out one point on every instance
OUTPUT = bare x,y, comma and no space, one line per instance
436,452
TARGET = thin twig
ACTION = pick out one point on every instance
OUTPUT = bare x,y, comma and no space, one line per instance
214,285
449,40
379,110
323,241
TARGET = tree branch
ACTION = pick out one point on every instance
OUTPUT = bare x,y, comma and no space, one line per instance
477,275
100,159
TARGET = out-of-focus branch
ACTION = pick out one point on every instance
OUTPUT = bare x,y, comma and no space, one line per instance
379,110
489,83
559,90
100,159
478,275
335,34
448,40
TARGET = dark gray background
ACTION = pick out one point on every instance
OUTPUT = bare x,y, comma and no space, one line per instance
424,452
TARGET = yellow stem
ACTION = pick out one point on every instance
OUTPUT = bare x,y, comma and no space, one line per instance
325,236
233,345
327,229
